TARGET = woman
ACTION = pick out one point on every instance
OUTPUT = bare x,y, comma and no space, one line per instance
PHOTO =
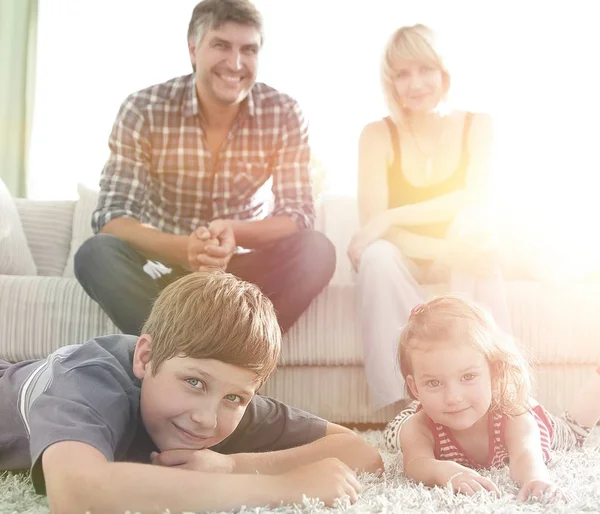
423,172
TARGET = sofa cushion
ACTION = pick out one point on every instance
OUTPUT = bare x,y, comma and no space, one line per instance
15,256
47,226
82,224
40,314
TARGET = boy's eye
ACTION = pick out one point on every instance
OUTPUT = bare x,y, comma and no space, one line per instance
195,383
233,398
469,376
434,383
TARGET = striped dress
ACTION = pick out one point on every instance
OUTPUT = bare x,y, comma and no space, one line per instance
447,448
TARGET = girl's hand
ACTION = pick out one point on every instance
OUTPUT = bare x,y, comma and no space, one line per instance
470,482
375,229
537,488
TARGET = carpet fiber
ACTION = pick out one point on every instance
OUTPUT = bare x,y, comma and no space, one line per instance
576,472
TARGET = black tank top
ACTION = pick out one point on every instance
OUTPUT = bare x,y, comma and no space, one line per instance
402,192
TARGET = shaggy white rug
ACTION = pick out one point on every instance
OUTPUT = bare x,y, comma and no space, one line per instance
576,472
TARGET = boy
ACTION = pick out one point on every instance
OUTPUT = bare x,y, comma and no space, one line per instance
100,424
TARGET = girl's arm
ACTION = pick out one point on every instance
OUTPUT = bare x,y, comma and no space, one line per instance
526,460
421,465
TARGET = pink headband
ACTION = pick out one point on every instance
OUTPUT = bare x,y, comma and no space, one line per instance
417,309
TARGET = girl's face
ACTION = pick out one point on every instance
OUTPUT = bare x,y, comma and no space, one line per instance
453,383
419,86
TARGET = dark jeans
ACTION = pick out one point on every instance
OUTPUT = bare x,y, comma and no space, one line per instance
291,272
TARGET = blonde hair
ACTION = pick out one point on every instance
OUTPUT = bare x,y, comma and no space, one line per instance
214,315
416,42
450,317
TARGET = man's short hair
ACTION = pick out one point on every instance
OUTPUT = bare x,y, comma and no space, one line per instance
214,315
211,14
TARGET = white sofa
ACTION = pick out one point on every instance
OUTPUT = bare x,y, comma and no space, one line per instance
321,368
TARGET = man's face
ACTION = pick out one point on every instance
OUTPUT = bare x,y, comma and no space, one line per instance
191,403
226,61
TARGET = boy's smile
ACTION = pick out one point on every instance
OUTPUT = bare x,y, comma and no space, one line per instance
191,403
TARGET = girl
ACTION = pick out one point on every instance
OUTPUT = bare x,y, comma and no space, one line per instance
473,408
422,172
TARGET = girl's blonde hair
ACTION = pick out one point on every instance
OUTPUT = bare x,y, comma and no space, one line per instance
415,43
450,318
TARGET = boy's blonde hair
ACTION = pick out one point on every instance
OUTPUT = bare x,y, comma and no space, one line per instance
417,43
450,318
214,315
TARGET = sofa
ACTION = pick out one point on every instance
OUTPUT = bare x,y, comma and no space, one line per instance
321,365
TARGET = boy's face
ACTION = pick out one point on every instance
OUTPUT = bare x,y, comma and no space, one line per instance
191,403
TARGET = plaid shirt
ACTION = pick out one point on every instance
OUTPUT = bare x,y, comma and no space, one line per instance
161,172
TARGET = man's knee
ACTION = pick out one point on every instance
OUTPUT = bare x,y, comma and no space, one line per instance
317,253
96,250
311,255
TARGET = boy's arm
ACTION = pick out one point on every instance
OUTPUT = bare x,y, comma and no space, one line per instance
526,460
338,442
421,465
96,485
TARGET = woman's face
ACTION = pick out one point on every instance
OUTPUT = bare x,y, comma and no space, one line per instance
419,86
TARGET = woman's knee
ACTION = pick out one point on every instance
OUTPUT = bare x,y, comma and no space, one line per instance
379,255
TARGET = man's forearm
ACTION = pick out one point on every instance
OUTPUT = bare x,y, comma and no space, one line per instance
253,234
349,448
166,248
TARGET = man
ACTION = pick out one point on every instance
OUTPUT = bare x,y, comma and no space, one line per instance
185,184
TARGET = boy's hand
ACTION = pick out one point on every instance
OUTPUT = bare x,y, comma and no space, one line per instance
195,460
326,479
537,488
470,482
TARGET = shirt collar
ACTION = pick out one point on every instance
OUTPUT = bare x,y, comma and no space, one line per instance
190,103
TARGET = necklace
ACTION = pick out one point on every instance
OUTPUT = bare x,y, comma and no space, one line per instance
428,156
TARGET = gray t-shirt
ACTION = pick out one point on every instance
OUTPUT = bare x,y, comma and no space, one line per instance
88,393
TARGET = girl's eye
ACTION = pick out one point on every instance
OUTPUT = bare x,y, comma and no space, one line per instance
233,398
434,383
195,383
427,69
469,376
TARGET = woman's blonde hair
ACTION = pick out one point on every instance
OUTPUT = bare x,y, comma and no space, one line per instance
214,315
417,43
451,318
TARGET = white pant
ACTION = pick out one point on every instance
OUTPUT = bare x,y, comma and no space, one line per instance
387,291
